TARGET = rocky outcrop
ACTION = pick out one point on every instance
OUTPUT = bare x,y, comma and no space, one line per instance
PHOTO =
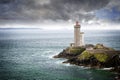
94,56
70,52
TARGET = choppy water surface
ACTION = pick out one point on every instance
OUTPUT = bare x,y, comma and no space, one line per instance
27,55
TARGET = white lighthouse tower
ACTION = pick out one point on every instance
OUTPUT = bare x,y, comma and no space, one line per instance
78,36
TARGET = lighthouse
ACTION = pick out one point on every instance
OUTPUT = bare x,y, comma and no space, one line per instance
78,36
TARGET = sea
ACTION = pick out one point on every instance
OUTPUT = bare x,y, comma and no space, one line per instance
27,54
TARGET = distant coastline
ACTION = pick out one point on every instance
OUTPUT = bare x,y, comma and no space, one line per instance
18,28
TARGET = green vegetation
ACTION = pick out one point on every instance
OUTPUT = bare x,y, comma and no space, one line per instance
99,46
102,57
76,50
85,55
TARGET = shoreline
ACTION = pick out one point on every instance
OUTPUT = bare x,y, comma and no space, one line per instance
93,56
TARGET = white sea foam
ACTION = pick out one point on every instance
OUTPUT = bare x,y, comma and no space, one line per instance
68,64
107,68
58,62
51,54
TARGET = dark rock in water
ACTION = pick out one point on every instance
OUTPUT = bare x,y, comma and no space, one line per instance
114,61
94,56
117,77
70,52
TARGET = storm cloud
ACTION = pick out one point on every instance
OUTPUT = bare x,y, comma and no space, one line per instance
111,12
34,10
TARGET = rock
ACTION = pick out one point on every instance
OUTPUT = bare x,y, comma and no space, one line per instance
94,56
89,46
117,77
70,52
101,46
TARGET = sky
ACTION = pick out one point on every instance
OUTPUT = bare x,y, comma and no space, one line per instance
60,14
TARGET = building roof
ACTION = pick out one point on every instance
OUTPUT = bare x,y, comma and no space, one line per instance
77,25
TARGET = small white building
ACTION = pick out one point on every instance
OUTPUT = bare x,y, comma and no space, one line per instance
78,36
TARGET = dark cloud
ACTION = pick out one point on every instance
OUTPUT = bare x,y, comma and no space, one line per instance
33,10
111,12
6,1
